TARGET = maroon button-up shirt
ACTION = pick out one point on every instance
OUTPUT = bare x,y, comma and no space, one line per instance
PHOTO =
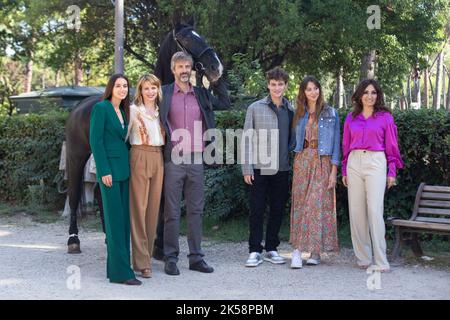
185,114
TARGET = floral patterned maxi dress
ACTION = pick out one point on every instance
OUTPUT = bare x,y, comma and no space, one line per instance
313,209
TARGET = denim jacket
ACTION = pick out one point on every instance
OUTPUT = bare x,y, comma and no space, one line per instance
328,132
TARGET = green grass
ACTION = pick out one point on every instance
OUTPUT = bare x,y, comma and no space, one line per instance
44,215
37,214
435,247
237,230
91,222
234,230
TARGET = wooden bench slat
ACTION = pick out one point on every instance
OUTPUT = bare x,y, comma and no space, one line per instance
424,210
436,189
436,204
431,214
433,220
421,225
435,196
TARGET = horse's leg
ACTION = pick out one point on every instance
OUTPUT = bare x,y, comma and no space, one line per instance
75,167
98,196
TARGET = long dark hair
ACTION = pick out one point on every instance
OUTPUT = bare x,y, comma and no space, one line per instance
301,99
359,92
125,103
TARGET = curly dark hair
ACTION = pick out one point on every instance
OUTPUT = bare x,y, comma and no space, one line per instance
277,74
359,92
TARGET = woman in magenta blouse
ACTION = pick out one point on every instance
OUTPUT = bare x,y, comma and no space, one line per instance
370,159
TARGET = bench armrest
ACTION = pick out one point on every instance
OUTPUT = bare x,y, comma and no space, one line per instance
391,218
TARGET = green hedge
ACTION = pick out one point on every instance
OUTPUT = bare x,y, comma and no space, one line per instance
30,147
424,139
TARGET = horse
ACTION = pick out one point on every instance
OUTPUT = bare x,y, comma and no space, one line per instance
206,63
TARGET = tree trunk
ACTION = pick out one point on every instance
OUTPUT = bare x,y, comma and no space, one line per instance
417,88
78,69
345,100
426,90
437,96
43,80
405,100
11,107
444,98
401,103
57,78
408,90
119,36
447,103
367,70
418,97
340,89
28,74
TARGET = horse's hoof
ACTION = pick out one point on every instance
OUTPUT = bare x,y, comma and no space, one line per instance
73,248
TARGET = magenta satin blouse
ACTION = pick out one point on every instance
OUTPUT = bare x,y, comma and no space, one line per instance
377,133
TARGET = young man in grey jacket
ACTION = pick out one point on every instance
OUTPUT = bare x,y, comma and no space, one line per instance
267,140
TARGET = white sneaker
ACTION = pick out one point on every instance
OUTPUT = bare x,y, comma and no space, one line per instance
274,257
254,260
313,260
296,262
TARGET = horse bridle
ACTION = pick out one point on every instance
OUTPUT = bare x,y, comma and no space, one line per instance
198,66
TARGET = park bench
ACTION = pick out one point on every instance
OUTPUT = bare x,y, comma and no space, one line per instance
431,214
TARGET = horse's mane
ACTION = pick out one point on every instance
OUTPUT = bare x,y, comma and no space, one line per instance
167,49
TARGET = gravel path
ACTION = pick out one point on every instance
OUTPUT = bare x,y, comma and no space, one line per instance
34,265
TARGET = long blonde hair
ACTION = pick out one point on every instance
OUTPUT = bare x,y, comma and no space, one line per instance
153,80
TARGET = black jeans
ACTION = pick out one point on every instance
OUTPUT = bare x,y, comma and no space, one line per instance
277,188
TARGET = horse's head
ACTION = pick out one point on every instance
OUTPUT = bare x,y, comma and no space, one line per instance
205,58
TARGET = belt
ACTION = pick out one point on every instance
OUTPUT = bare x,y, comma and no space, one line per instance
147,148
313,144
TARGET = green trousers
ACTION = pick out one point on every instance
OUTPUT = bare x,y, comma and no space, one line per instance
117,226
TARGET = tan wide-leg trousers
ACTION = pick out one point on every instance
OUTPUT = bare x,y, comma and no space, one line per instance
146,179
366,177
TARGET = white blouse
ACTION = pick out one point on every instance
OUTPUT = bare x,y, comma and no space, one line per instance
143,128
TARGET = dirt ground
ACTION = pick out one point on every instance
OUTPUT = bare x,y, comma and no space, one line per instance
34,265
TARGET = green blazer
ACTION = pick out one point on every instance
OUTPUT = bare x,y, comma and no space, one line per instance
107,140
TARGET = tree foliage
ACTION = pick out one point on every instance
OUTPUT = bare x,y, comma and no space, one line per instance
307,37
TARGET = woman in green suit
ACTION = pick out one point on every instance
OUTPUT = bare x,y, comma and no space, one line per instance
108,130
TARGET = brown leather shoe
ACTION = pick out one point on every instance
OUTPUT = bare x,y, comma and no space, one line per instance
146,273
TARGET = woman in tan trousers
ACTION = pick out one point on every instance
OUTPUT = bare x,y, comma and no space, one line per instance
371,158
146,170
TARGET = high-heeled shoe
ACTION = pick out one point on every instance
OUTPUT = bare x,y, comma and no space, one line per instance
146,273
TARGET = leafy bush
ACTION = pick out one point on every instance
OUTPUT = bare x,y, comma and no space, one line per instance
247,81
424,139
30,147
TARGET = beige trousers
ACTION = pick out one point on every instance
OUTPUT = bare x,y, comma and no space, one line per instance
146,179
366,177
